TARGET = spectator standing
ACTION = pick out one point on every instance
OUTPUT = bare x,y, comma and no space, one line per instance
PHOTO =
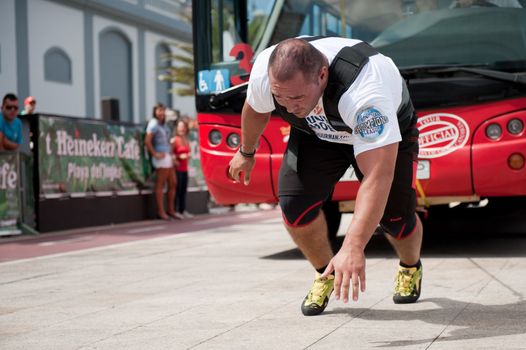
29,105
182,152
10,125
158,145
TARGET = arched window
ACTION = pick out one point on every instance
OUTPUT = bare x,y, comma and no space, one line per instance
163,87
116,75
57,66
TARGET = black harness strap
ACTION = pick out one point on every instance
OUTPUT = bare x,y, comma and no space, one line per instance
343,71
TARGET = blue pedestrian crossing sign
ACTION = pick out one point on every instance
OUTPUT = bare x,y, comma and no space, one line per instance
212,81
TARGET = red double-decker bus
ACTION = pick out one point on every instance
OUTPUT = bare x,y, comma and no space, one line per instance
464,63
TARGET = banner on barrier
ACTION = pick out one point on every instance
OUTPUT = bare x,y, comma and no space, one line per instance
86,156
9,194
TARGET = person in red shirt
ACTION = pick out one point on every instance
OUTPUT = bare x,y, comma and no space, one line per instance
29,105
181,151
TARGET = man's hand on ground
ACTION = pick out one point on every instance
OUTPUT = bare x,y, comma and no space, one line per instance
348,265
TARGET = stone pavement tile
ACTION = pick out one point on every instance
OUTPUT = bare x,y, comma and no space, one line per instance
246,298
507,342
52,339
495,310
482,321
188,326
284,328
142,296
506,273
290,331
385,324
83,269
449,310
218,289
108,285
118,315
68,284
359,334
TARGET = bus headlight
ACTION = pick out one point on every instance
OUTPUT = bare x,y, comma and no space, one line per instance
493,131
232,140
214,137
515,126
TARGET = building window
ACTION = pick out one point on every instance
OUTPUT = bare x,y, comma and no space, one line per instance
116,74
57,66
163,86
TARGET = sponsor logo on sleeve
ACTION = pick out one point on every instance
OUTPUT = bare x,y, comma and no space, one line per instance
321,126
370,124
441,134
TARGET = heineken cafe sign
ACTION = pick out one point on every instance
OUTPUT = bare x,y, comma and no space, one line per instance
9,193
79,157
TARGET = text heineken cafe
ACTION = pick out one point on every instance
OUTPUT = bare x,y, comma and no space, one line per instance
68,146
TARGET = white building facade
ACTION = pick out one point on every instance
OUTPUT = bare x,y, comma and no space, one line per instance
72,54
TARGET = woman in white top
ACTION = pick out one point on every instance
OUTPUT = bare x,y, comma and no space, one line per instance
158,144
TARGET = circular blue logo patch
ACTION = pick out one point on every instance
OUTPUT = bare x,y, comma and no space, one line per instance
370,124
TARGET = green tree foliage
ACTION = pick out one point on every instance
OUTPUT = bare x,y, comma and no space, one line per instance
182,71
179,68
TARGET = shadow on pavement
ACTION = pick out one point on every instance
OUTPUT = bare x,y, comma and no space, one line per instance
472,320
462,232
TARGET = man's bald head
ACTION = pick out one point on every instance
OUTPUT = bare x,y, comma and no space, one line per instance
293,55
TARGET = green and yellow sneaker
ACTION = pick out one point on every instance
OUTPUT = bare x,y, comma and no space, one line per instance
318,298
408,283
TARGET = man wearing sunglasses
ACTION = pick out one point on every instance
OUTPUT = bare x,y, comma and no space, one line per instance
10,125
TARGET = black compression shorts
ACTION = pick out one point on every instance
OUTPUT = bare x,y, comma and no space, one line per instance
321,164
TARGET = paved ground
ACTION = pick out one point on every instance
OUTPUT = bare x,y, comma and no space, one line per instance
238,284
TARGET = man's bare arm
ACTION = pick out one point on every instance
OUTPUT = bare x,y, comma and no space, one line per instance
252,126
378,167
349,264
9,145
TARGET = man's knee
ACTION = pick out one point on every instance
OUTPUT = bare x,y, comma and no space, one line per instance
399,228
300,210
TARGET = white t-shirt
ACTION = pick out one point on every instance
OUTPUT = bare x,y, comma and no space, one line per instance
368,107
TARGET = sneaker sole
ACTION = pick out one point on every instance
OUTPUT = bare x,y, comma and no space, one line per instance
313,310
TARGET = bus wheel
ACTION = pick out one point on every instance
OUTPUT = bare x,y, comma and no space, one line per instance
333,216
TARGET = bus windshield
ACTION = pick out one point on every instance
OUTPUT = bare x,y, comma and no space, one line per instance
490,33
